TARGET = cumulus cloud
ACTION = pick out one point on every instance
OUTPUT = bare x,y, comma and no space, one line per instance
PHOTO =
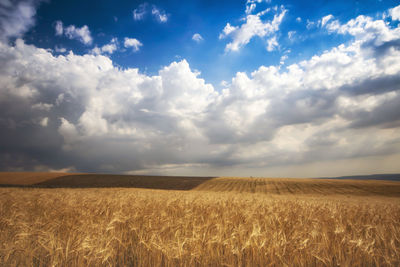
253,26
341,104
132,42
395,13
197,37
81,34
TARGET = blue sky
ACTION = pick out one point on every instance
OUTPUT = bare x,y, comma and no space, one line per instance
249,88
165,42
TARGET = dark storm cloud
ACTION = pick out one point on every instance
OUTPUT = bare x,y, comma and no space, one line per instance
374,85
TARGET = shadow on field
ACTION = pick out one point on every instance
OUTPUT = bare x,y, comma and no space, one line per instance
130,181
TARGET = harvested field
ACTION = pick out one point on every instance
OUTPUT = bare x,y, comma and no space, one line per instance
27,178
302,186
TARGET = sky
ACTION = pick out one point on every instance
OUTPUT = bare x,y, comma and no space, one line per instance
227,88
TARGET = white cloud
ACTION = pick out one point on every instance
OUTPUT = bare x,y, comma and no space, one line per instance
59,28
227,30
250,8
140,12
341,104
109,48
60,49
132,42
81,34
272,44
395,13
197,37
68,132
298,19
159,14
252,4
326,19
254,26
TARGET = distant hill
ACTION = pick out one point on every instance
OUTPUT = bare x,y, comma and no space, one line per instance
388,177
88,180
383,184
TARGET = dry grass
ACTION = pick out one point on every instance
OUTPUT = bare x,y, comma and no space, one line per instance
143,227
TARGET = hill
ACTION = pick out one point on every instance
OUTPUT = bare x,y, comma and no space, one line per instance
291,186
27,178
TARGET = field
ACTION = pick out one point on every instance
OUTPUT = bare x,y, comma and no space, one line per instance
207,222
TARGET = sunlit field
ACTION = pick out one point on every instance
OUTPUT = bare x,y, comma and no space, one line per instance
221,222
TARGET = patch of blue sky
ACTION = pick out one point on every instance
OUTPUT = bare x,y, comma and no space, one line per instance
299,36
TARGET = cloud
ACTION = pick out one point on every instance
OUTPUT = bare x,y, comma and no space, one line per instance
16,18
95,116
109,48
395,13
325,19
60,49
81,34
254,26
252,4
272,44
132,42
310,24
197,37
227,30
58,26
159,14
140,12
291,35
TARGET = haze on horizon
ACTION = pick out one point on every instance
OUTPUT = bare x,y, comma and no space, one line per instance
244,88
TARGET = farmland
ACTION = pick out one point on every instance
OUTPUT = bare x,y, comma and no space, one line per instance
206,222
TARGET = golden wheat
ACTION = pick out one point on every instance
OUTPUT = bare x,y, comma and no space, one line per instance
143,227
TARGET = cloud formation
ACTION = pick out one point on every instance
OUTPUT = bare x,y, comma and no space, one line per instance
132,42
197,37
253,26
109,48
140,12
95,116
81,34
16,17
395,13
159,14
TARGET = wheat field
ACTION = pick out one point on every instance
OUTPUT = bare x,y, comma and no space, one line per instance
246,227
